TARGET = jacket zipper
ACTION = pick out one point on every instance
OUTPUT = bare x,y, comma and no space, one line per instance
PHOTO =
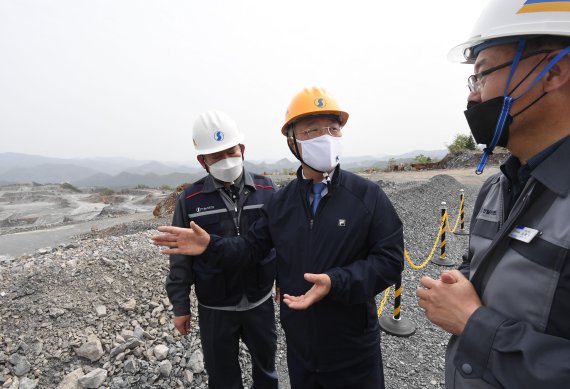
479,280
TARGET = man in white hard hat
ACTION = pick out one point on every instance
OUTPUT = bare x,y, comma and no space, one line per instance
338,243
233,303
508,305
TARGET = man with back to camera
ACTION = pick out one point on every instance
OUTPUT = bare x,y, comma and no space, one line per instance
338,242
507,306
233,302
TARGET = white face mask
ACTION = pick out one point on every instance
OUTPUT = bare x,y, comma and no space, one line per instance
322,153
228,169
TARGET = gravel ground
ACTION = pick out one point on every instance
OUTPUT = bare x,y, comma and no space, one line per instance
93,313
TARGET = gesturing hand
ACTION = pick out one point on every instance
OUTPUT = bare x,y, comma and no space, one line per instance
186,241
321,287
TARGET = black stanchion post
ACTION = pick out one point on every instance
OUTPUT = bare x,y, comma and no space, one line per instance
397,325
442,260
462,214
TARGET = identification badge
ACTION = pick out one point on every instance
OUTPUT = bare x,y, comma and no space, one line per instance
524,234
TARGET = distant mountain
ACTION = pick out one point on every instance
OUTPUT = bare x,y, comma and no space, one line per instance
275,167
129,180
347,162
9,161
161,168
22,168
434,154
123,172
47,173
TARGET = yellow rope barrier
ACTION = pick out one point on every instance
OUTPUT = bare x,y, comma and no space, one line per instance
424,263
456,220
383,302
443,226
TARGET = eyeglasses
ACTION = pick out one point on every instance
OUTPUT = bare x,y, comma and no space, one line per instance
315,132
474,81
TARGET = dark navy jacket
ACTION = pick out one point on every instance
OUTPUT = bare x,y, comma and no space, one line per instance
356,238
201,203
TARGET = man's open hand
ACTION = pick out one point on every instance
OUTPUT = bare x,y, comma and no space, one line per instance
185,241
321,287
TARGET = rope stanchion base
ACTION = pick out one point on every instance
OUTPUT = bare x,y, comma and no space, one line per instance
398,327
461,232
442,262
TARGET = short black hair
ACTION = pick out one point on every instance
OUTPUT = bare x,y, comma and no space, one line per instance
547,42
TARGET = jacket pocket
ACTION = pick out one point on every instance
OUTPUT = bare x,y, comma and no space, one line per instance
210,286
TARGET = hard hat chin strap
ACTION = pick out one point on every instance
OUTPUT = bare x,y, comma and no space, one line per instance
507,103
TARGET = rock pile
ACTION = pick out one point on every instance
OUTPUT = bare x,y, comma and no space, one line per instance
467,158
166,206
94,314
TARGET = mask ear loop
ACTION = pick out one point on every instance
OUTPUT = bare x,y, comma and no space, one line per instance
549,66
525,77
507,103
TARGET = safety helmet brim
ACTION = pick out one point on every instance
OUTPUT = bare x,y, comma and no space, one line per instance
516,19
342,118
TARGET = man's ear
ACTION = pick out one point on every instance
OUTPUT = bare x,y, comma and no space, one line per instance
242,147
559,75
291,142
202,161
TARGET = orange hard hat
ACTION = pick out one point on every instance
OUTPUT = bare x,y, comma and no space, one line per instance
312,101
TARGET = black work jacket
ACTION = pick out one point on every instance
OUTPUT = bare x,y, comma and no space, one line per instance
202,203
355,237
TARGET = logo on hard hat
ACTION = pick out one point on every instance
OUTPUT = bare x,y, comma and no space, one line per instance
218,136
545,6
320,102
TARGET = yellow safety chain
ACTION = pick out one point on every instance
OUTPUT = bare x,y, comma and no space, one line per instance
383,302
443,226
458,217
424,263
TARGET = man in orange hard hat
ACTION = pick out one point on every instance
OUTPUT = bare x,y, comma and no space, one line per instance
338,243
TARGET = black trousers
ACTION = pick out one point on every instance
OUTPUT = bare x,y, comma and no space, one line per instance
220,332
370,376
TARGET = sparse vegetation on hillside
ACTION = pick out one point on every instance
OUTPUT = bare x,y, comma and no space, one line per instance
68,186
462,142
106,191
422,159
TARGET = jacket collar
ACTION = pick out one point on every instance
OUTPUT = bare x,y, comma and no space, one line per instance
212,185
336,177
552,171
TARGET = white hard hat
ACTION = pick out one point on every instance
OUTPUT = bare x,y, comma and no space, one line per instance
215,131
515,18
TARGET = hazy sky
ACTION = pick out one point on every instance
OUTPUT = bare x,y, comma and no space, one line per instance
112,78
